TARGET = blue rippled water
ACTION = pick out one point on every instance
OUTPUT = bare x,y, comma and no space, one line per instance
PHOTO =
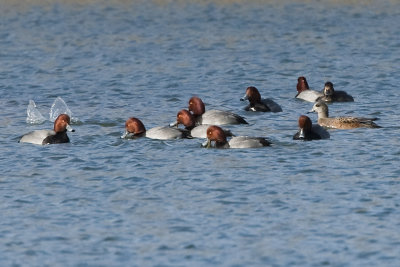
103,201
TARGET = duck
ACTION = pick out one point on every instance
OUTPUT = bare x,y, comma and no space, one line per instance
304,92
134,128
257,104
308,131
330,95
186,118
212,117
217,136
341,122
56,136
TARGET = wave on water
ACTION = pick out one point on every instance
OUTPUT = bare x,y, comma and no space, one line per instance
59,107
33,114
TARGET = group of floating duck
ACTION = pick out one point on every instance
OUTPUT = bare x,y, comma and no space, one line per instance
199,123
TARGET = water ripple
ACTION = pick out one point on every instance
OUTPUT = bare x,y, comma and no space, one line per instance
105,201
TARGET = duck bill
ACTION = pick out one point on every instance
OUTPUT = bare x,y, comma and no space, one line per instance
328,91
174,124
245,97
207,143
301,134
126,134
69,128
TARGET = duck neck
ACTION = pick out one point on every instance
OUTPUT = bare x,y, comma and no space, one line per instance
60,137
323,114
224,144
140,134
253,103
189,128
197,116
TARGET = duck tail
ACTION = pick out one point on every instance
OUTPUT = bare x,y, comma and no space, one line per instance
241,120
371,124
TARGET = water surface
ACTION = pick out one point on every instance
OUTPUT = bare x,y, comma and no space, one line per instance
103,201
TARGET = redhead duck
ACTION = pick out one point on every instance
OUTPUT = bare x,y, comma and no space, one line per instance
216,134
340,122
217,117
134,128
308,131
56,136
257,104
304,92
330,95
186,118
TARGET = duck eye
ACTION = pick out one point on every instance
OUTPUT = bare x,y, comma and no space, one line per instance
317,105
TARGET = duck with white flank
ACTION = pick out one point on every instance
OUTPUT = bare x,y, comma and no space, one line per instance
212,117
217,136
304,92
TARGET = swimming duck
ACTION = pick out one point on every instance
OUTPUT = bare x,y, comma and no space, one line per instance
186,118
308,131
56,136
257,104
340,122
330,95
304,92
215,117
216,134
134,128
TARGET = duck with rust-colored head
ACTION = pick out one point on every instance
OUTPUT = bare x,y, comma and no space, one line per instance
186,118
304,92
257,104
56,136
216,138
308,131
212,117
134,128
341,122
